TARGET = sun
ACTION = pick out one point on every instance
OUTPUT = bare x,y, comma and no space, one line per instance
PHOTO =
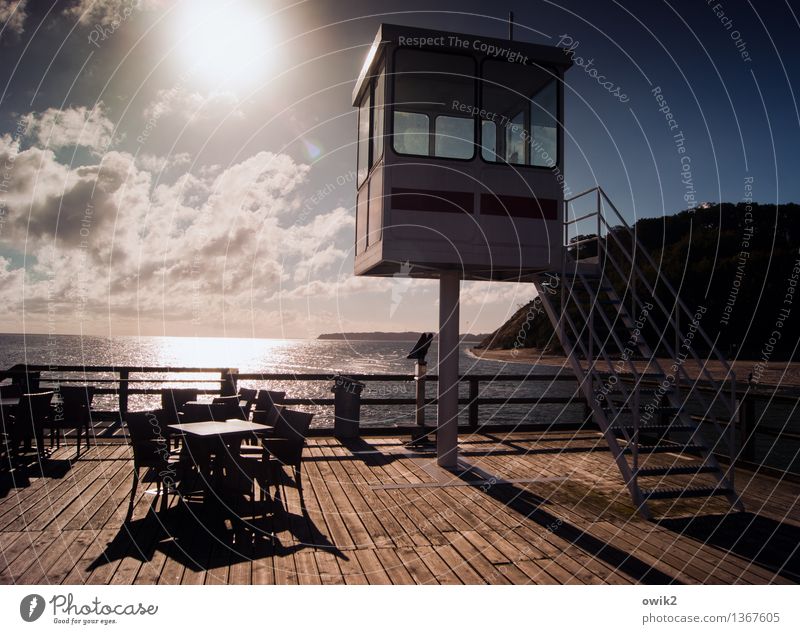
223,43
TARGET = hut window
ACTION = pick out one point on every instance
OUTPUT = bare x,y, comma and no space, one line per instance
544,114
521,109
377,118
434,97
363,138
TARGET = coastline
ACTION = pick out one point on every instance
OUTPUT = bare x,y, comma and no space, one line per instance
775,375
527,356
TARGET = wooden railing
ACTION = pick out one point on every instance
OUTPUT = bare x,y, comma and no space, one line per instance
126,381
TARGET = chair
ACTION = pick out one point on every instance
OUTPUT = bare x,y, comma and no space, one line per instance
266,411
200,412
10,390
73,412
172,402
248,397
285,446
30,418
150,445
231,407
7,418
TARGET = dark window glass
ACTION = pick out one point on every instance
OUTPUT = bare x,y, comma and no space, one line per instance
544,114
437,91
363,138
455,137
377,118
522,104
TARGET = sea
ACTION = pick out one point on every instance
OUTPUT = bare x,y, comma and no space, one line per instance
295,356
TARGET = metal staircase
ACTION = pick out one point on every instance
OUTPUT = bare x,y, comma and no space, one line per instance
662,424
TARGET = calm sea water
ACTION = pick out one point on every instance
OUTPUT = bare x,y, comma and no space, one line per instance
291,356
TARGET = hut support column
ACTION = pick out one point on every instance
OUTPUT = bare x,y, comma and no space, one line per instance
447,410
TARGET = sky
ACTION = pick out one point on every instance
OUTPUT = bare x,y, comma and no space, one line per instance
187,167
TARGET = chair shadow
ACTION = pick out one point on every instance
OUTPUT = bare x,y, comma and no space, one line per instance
763,541
27,467
366,453
203,536
531,507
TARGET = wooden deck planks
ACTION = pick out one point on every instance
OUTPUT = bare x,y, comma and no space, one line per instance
376,513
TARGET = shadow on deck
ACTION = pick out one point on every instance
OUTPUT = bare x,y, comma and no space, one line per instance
762,541
527,508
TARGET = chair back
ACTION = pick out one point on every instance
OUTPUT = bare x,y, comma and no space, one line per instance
201,412
265,406
76,400
149,437
34,408
229,405
246,394
173,400
10,390
31,415
266,398
293,425
247,399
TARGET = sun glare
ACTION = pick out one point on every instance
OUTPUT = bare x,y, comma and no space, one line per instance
223,43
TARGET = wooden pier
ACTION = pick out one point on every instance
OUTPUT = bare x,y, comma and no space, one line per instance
542,508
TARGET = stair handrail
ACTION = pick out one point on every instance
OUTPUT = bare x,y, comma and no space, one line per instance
721,358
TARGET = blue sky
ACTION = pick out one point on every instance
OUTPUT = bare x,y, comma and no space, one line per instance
186,168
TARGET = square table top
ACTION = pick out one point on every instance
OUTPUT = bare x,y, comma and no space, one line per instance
219,428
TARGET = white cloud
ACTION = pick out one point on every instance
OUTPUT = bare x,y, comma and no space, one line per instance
78,126
109,12
193,107
12,17
206,253
158,164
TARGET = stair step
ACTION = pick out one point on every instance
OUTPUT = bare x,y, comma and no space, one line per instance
676,470
680,492
666,448
644,429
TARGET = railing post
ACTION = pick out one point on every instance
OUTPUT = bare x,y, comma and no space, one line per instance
473,403
229,382
420,372
124,376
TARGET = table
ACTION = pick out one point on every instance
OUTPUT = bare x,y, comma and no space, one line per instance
223,439
233,427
